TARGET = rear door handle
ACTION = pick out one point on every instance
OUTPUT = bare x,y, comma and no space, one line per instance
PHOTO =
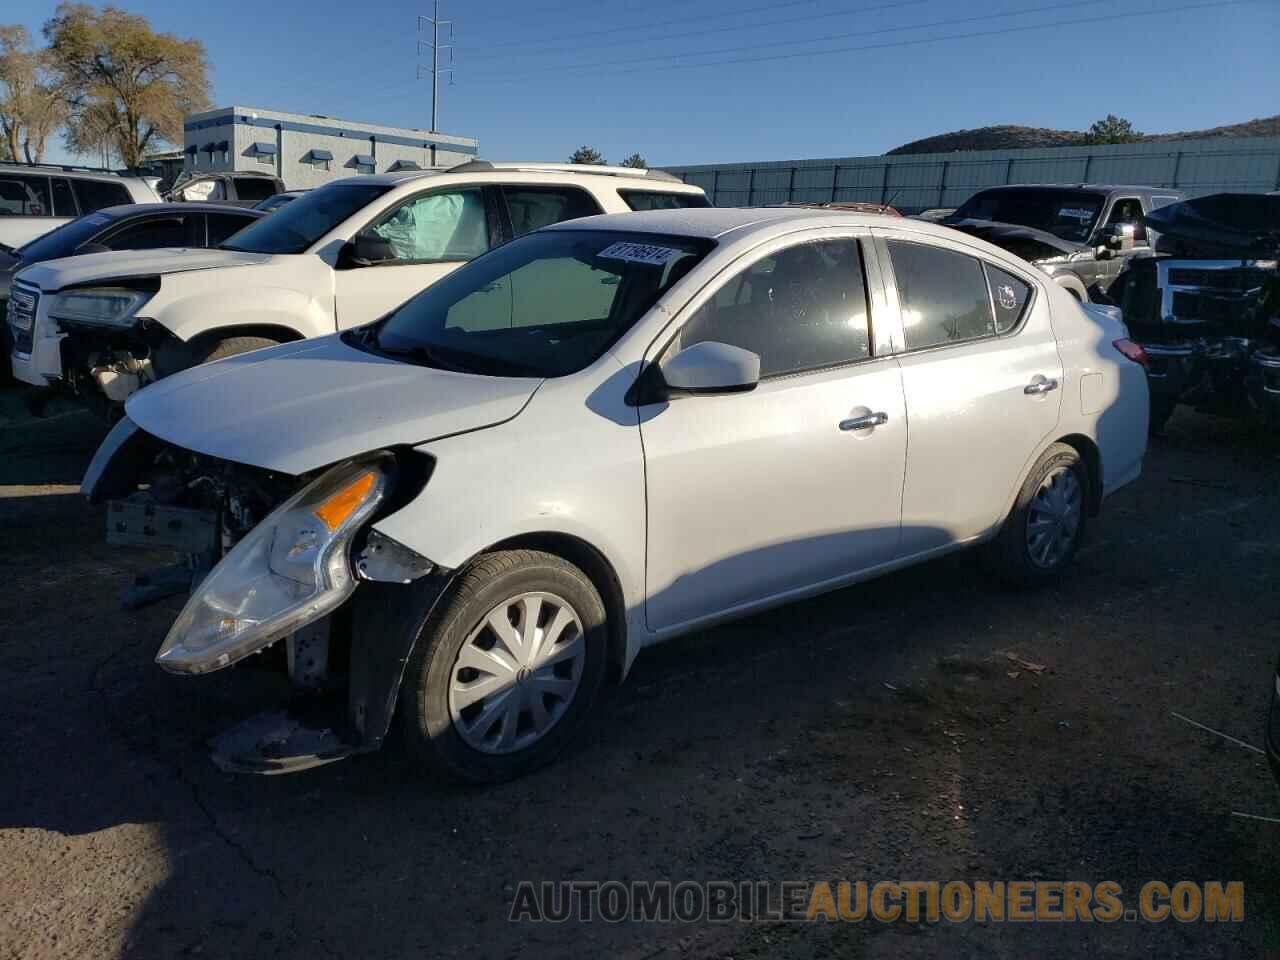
1040,385
865,422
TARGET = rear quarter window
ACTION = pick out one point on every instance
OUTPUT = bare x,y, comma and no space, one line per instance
97,194
658,200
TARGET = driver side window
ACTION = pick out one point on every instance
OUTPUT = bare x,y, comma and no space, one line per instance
1129,210
437,226
802,308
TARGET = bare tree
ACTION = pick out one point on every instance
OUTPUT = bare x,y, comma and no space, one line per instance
126,85
31,104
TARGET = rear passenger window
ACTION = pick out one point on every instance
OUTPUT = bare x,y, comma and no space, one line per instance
64,204
97,194
254,189
943,295
534,207
654,200
1009,297
23,195
803,308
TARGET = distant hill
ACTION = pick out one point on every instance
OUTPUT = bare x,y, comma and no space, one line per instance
1010,137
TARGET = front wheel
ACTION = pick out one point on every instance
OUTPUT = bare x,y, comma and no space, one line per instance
506,669
1044,529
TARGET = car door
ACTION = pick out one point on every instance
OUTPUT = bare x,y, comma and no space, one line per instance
431,234
983,382
797,484
1126,211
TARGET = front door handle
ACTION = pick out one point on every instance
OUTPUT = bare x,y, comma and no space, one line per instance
1040,385
865,422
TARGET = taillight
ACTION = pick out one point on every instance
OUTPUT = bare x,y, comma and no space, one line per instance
1134,352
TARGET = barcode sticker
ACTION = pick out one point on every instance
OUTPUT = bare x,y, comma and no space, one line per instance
639,253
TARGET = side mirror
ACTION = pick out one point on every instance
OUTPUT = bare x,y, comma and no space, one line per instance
711,367
365,250
1120,237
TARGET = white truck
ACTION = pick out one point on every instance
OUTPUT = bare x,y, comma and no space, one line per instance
340,256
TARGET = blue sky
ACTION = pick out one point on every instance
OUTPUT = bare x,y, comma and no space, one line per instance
522,89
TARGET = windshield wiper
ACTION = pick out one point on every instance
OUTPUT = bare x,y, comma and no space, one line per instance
418,354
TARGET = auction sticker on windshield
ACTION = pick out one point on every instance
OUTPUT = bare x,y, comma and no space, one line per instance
639,253
1075,213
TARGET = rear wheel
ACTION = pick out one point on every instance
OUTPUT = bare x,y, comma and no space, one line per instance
1044,529
506,669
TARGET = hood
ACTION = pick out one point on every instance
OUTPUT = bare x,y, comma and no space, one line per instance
1004,234
304,405
1243,225
94,268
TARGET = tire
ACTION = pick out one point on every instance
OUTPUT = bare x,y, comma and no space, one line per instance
451,729
1016,551
231,347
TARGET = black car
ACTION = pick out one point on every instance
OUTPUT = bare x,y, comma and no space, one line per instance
136,226
1080,234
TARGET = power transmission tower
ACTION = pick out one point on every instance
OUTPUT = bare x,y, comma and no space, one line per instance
436,47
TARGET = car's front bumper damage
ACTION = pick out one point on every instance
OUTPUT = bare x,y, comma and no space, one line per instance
344,652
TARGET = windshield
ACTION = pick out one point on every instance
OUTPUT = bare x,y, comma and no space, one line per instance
63,241
297,225
544,305
1069,214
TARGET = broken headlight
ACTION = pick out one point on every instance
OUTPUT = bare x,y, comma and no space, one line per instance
288,571
106,306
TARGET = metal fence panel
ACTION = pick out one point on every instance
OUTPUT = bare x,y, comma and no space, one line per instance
919,181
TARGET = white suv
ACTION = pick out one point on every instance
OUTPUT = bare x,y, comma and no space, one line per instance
340,256
35,198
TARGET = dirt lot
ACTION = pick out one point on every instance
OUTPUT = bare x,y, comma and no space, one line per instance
880,732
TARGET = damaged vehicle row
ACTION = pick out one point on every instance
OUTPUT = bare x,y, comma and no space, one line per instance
603,434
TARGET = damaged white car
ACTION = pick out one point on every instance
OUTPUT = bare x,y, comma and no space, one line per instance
601,435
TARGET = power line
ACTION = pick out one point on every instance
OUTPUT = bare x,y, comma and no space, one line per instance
667,22
732,28
835,36
910,43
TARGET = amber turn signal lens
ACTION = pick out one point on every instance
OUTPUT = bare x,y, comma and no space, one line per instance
334,512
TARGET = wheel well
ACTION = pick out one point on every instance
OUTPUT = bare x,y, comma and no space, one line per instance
1088,451
270,331
598,570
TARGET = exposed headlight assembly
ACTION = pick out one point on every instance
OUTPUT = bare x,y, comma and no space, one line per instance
290,570
106,306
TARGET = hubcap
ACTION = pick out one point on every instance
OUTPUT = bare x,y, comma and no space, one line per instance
517,673
1054,521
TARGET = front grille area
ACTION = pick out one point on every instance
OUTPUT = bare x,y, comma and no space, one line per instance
1234,279
1205,308
23,302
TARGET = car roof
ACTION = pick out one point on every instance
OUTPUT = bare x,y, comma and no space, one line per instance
53,170
555,173
714,223
1087,188
132,209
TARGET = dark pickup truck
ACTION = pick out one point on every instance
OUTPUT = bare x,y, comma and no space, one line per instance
1206,307
1082,235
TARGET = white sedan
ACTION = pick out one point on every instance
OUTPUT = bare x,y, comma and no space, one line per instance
602,435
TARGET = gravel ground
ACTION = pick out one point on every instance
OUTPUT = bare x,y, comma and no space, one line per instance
880,732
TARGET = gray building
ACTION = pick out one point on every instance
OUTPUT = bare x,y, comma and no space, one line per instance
915,182
307,151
